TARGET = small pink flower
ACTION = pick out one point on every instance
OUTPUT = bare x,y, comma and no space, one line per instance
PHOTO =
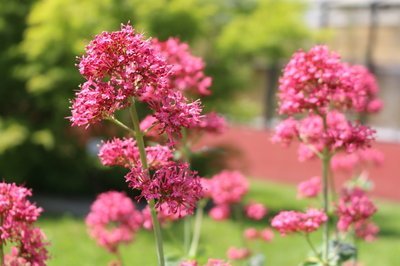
287,222
113,220
251,233
189,263
366,230
309,188
188,70
255,211
217,262
228,187
354,206
213,123
220,212
234,253
267,235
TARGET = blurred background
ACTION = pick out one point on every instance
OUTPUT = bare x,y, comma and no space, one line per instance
245,44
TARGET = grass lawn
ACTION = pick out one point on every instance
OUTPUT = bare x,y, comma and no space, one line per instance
70,244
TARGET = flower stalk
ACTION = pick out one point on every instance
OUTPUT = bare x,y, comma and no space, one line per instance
143,159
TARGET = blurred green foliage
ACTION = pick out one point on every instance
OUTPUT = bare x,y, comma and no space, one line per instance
41,39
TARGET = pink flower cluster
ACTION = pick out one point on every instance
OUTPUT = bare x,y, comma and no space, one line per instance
309,188
357,161
255,211
252,234
122,65
125,153
113,220
174,185
338,134
317,79
188,70
366,230
228,187
365,82
225,188
234,253
18,215
354,206
287,222
213,123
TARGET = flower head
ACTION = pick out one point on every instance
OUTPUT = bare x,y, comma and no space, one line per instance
188,70
228,187
309,188
255,211
315,80
173,184
287,222
234,253
113,220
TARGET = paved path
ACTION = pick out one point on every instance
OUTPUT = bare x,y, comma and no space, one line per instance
262,159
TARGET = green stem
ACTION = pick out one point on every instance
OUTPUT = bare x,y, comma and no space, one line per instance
237,210
119,258
121,125
143,159
186,233
325,184
197,229
307,236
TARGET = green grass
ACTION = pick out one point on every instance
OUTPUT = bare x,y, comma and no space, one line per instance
70,244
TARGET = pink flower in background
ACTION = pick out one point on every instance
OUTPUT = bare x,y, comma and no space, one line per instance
173,184
367,90
188,70
357,161
267,235
286,131
234,253
354,206
228,187
220,212
213,123
251,233
309,188
287,222
189,263
366,230
113,220
217,262
255,211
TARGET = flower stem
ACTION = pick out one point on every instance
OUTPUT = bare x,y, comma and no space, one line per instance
143,159
325,184
121,125
197,229
307,236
